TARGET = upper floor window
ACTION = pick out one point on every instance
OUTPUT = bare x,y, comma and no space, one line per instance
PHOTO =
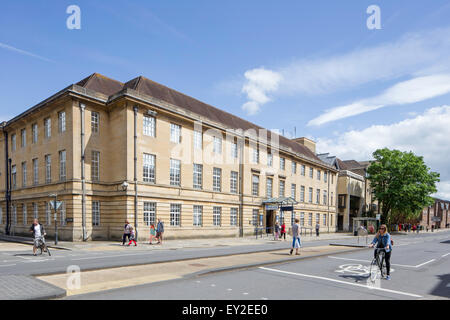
149,168
325,176
293,191
282,164
13,177
34,133
175,172
198,140
198,176
149,126
35,171
318,174
234,150
48,168
302,193
47,128
24,174
311,172
318,196
217,179
217,146
13,142
255,154
294,167
95,121
23,136
269,187
255,185
233,182
62,165
175,133
269,159
303,168
62,121
282,188
95,166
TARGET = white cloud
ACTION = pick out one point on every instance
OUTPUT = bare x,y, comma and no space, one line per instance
406,92
259,83
426,135
414,55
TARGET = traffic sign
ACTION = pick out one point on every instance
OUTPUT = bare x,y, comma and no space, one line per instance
58,204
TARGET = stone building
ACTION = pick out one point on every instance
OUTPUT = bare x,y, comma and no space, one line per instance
111,151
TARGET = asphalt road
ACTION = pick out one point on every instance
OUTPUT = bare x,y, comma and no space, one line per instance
420,270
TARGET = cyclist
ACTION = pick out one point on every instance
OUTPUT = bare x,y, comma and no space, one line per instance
38,232
382,240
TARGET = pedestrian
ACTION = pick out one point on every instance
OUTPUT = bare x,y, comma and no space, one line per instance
276,231
414,228
160,231
317,228
38,232
418,228
132,237
296,243
152,232
126,232
283,231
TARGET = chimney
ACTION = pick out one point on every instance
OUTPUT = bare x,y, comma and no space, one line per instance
311,145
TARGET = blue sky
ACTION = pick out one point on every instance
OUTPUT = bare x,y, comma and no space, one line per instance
312,65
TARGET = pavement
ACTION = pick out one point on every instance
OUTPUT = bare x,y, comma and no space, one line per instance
107,265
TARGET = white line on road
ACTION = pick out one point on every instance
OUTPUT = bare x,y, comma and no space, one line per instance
392,264
343,282
422,264
7,265
445,255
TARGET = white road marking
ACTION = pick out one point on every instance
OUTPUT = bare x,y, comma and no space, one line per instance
359,260
245,293
445,255
422,264
7,265
343,282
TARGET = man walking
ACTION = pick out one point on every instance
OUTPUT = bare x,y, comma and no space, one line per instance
126,232
317,228
38,231
160,231
296,244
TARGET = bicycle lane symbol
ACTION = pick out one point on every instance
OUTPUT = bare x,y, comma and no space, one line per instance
359,272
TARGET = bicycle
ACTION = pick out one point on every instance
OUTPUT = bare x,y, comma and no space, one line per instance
42,247
378,264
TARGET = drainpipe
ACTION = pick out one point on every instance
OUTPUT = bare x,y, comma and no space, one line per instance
7,182
83,178
135,109
328,199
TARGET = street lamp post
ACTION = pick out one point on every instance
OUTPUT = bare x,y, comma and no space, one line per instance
56,224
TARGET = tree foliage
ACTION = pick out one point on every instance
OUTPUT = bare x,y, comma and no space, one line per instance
401,183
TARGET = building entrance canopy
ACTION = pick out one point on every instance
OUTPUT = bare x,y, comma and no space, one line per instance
280,203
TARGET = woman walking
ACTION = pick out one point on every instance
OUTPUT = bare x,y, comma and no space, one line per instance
126,232
152,232
132,237
383,241
296,244
283,231
277,231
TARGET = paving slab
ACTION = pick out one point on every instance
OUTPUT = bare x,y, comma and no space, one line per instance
18,287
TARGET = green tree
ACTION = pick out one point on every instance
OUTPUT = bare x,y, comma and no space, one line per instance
401,183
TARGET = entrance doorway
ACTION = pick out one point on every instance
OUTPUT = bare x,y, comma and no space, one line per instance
340,222
270,218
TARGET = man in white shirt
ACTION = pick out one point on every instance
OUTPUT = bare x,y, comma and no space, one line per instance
38,231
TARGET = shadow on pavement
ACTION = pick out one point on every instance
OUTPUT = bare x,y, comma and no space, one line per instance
442,289
356,278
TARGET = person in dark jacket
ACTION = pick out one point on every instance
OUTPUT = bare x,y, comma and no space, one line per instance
126,232
38,233
160,231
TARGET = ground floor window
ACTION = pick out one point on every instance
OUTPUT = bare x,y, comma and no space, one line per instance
310,219
217,212
24,212
149,213
324,219
255,217
197,218
48,213
175,214
14,214
233,216
96,213
318,218
62,214
302,219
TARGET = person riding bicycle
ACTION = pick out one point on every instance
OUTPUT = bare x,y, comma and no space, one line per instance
38,232
382,240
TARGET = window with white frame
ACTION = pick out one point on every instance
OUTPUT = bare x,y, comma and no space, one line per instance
62,165
302,170
149,126
23,138
293,191
24,214
292,218
34,133
294,167
324,219
234,182
48,168
14,177
48,213
24,174
302,219
217,215
217,145
255,154
198,140
13,142
282,188
217,179
325,176
197,217
282,163
325,195
175,172
198,176
310,218
14,214
234,150
318,196
35,172
302,194
255,185
62,214
95,121
149,213
255,217
310,200
175,133
318,174
61,121
311,172
175,214
47,128
35,210
95,213
233,216
95,166
269,159
269,187
318,218
149,168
